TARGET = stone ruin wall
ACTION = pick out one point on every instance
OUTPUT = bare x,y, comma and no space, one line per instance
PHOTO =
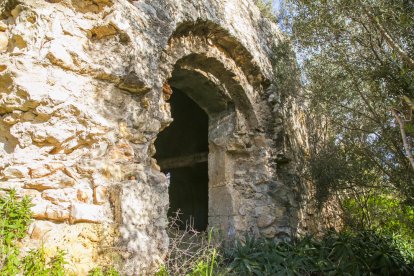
84,94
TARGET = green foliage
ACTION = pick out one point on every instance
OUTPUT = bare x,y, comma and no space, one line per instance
36,264
358,73
357,61
380,211
207,263
346,253
384,214
109,271
57,264
15,218
204,267
286,71
337,169
14,221
266,9
162,271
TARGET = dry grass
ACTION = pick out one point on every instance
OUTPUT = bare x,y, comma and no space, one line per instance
189,248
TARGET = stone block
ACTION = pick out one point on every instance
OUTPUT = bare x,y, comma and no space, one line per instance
99,180
39,208
100,194
84,195
240,224
13,172
11,185
82,212
220,171
55,181
39,170
58,55
16,41
91,6
44,169
269,232
57,213
4,41
260,210
39,229
224,225
90,234
3,26
222,202
100,32
54,166
134,84
30,193
57,196
167,91
121,152
265,220
12,118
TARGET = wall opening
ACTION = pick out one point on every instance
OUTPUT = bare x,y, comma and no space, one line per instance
182,153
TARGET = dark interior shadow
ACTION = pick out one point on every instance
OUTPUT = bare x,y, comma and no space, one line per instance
182,150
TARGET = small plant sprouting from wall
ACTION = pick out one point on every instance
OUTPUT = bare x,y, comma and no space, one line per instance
14,222
15,218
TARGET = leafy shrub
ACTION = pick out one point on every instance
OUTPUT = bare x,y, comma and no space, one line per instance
385,214
381,211
266,257
344,253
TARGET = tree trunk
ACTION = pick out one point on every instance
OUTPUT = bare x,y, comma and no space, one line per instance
406,143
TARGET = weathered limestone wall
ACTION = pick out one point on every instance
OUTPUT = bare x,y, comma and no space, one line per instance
82,102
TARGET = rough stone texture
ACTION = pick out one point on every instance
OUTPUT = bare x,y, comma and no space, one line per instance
83,96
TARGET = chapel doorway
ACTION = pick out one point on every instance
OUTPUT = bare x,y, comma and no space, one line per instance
182,153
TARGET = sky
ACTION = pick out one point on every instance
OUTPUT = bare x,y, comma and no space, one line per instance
276,4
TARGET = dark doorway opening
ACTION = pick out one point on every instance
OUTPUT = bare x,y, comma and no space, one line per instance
182,151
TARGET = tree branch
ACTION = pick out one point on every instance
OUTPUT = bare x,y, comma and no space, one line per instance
404,56
405,141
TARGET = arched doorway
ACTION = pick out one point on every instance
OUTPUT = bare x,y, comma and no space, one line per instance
182,152
217,83
192,151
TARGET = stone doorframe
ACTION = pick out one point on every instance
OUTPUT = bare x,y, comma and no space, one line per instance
216,71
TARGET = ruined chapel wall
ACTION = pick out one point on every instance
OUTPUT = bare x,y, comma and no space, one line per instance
81,105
